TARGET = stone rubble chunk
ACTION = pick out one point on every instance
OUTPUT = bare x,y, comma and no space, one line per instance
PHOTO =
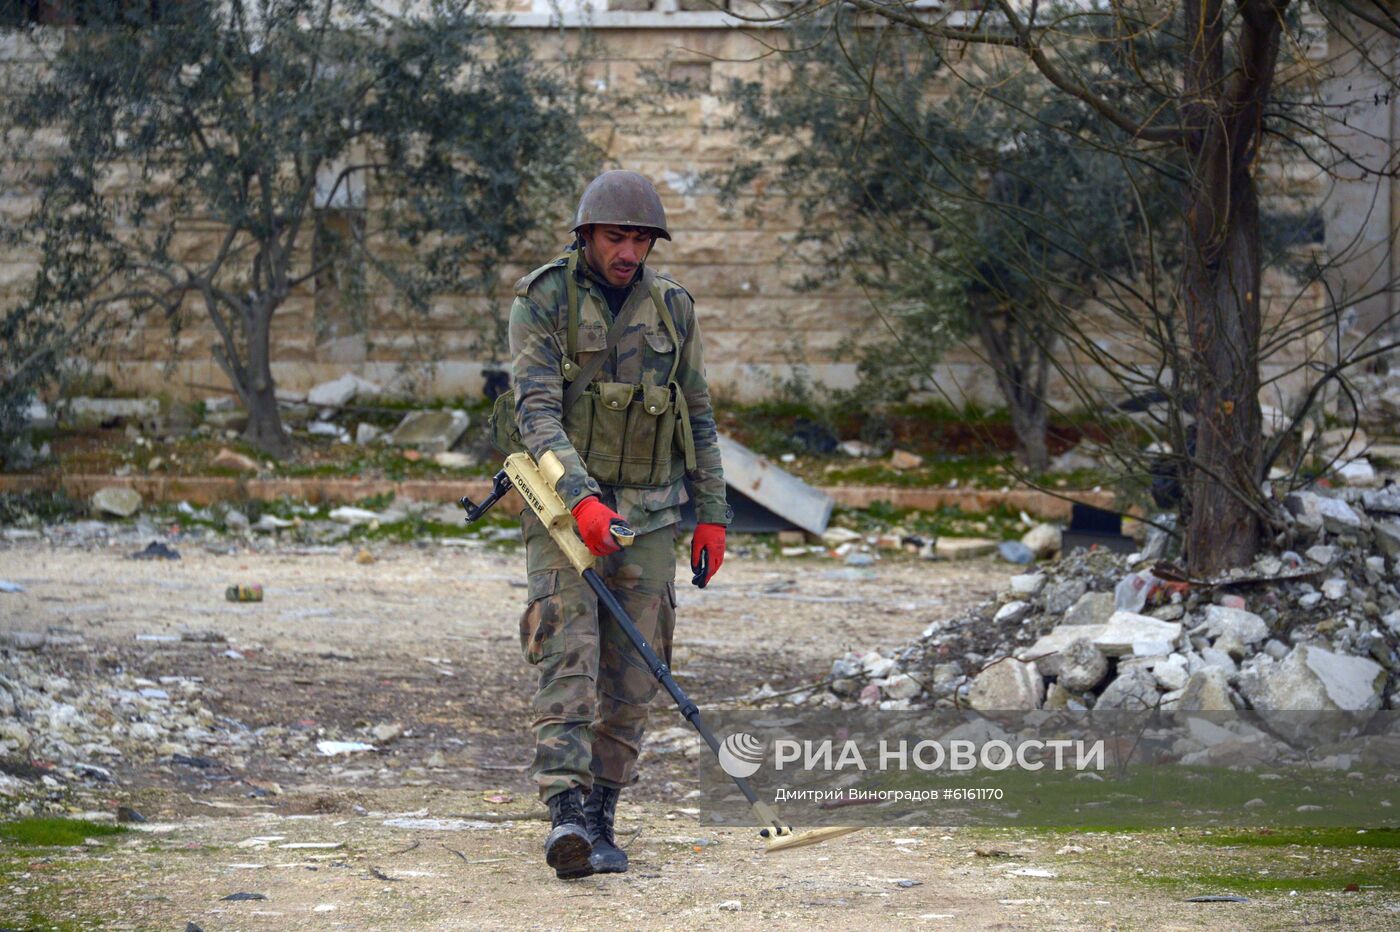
1206,690
1012,612
1126,628
1133,691
1334,589
1382,501
230,459
901,686
903,459
1093,608
1028,584
1313,678
1060,596
1247,627
1171,673
1044,540
339,392
1082,666
1009,685
116,500
430,431
1321,553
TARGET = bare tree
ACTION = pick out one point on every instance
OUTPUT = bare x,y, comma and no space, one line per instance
1204,88
202,140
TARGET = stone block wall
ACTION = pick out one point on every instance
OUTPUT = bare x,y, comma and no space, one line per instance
741,268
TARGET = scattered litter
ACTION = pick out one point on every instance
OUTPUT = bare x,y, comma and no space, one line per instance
1217,899
440,825
253,593
1072,849
127,814
313,845
238,897
7,586
158,638
1032,872
156,550
324,908
730,906
260,841
332,748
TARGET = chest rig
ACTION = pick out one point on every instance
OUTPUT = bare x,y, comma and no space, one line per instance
633,434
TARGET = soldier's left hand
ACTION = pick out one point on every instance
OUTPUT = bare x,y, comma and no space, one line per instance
710,538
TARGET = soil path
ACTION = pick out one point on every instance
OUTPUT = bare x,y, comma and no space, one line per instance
439,827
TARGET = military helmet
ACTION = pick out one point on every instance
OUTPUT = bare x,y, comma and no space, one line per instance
623,198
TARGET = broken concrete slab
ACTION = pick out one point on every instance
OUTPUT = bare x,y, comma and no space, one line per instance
430,431
774,489
964,548
1312,678
1124,629
339,392
104,409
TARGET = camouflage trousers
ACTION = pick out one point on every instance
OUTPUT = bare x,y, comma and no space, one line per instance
590,709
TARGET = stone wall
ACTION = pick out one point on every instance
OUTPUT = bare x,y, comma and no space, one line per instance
741,268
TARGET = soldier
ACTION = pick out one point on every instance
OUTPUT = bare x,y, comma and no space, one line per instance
630,440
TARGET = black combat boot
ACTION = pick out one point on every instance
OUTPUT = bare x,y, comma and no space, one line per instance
598,814
567,848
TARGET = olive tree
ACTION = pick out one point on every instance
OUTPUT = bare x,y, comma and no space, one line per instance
1207,95
196,143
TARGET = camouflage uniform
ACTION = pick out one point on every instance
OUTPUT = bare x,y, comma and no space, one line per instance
590,709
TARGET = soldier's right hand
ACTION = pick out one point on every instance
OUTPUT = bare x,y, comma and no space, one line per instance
595,526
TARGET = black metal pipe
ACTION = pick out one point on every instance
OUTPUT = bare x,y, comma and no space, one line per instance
661,671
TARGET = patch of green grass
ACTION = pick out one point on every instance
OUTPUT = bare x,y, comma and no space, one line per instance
42,831
1304,838
1304,876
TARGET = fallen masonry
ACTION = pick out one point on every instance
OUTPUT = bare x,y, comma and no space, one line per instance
1313,627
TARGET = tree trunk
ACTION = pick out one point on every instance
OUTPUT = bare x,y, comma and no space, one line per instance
1221,293
264,429
1221,275
1030,426
1018,349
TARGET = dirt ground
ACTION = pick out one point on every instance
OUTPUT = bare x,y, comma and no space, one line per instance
439,829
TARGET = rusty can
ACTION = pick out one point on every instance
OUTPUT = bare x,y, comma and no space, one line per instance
251,593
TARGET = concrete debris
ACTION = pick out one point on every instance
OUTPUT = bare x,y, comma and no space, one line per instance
230,459
97,410
1314,633
1044,540
116,500
339,392
430,431
964,548
903,459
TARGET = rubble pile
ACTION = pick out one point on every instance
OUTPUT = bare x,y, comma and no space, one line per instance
1314,627
68,727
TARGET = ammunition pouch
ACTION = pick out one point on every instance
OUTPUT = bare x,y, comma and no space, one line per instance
627,435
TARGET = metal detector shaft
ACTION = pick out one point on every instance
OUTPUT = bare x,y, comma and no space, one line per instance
662,672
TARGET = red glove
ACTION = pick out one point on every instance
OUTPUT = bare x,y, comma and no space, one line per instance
710,538
595,526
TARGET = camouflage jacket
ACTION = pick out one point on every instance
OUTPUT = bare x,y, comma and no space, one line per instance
538,341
